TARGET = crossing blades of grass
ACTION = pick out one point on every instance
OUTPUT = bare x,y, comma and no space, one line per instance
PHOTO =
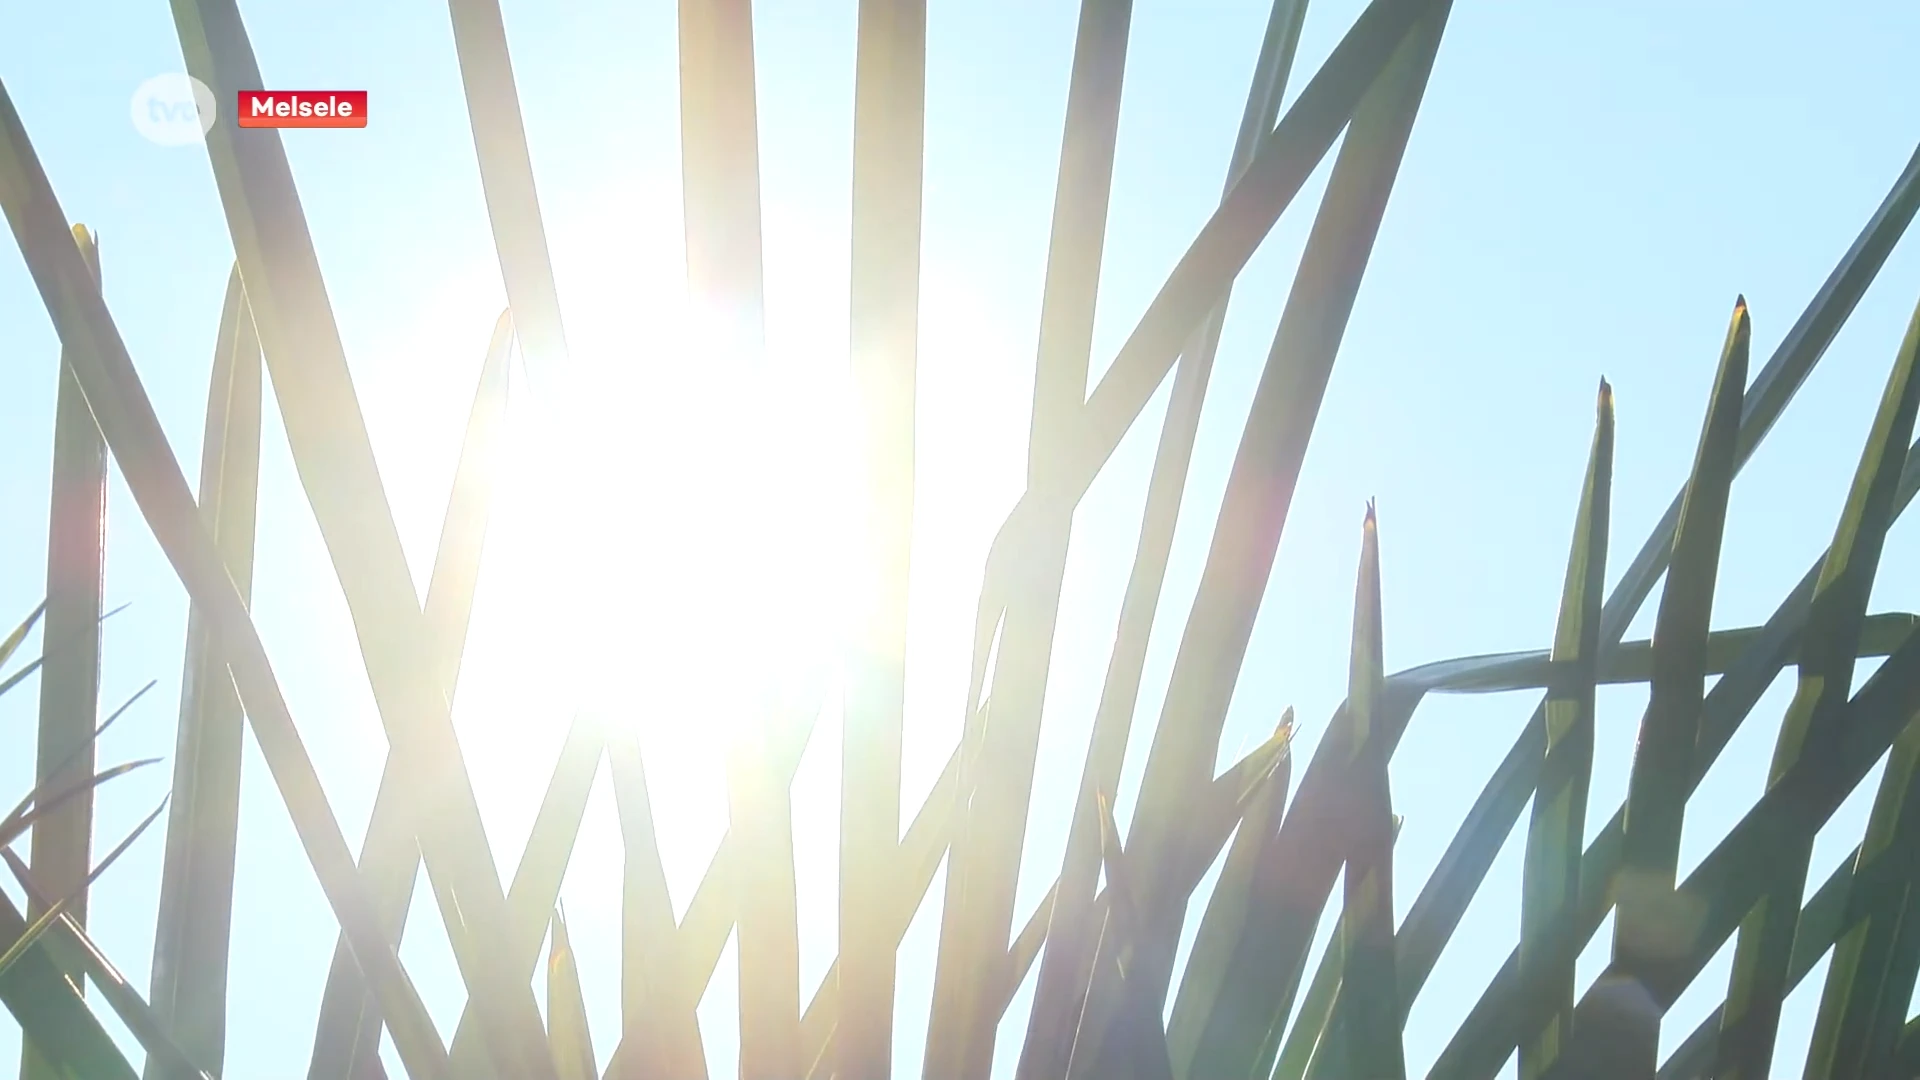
12,642
1444,897
333,456
1064,969
133,432
193,928
52,913
1808,731
74,950
346,1037
49,1008
660,1035
70,678
1262,976
1663,757
977,916
1855,1033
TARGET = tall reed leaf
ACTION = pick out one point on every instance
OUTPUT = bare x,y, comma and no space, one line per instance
1663,770
194,926
888,151
70,679
347,1034
1366,944
506,179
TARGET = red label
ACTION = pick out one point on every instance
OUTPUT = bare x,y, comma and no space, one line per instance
303,109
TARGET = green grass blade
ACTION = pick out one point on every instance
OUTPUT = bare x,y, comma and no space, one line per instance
60,908
1551,889
1807,731
1226,914
48,797
977,917
889,148
1663,758
134,434
193,927
74,950
347,1035
34,665
334,459
1370,991
567,1031
70,678
11,643
506,179
53,1016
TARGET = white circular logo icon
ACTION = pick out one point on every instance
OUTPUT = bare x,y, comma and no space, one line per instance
173,110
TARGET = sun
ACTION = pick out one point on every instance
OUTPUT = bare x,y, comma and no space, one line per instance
698,519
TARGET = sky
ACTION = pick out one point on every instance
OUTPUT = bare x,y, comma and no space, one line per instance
1587,189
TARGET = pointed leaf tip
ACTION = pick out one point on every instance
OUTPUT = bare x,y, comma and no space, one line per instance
1740,304
1372,521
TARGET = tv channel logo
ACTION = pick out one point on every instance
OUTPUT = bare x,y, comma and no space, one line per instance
173,110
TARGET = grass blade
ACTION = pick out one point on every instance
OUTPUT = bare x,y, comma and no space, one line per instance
191,933
760,811
70,679
11,643
567,1009
1227,910
1551,889
61,908
346,1036
889,147
1366,945
47,798
720,171
1663,757
1807,731
133,432
506,179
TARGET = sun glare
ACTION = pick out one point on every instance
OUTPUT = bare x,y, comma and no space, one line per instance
699,504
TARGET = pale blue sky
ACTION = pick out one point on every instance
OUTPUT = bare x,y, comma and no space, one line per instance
1587,189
